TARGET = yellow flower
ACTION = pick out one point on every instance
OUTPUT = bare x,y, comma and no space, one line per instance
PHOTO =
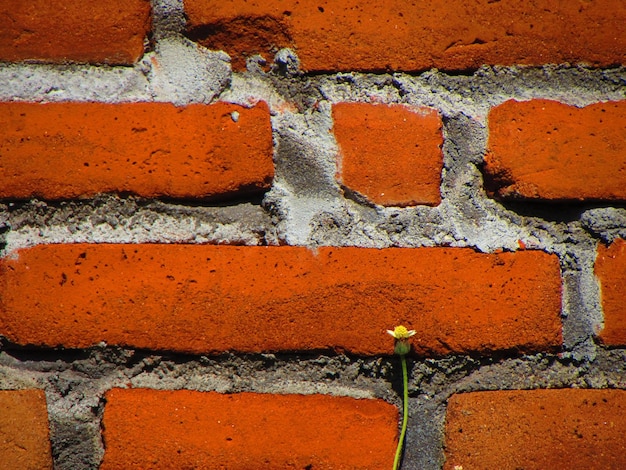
400,332
402,336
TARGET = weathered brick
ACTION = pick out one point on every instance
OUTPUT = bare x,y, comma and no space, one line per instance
546,150
610,269
68,150
389,154
207,299
369,35
24,441
106,31
187,429
536,430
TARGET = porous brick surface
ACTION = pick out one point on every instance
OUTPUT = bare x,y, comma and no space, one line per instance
226,298
68,150
536,429
370,35
104,32
389,154
186,429
610,269
549,151
24,436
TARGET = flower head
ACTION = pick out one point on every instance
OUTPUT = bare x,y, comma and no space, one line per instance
400,332
402,335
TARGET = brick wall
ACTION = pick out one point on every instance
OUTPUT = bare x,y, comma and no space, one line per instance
210,213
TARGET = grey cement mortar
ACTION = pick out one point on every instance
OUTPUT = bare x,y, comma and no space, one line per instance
110,219
307,206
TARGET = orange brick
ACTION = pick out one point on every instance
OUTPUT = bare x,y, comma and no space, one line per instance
188,429
390,154
106,31
610,269
536,430
547,150
210,299
24,441
370,35
68,150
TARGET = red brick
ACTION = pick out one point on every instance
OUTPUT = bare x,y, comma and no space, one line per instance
371,35
24,440
610,269
106,31
546,150
68,150
536,430
390,154
208,299
188,429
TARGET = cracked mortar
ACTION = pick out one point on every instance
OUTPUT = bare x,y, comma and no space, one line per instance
306,206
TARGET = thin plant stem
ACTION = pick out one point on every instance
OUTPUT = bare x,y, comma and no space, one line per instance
405,412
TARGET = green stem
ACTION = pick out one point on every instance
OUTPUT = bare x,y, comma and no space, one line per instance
405,412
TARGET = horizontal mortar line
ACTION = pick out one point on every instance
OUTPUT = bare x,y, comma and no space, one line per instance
519,91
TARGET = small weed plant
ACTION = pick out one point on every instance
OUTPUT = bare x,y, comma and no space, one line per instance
402,348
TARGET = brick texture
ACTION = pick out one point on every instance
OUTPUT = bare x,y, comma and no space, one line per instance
536,430
610,269
188,429
206,299
106,31
24,441
340,35
546,150
68,150
390,154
